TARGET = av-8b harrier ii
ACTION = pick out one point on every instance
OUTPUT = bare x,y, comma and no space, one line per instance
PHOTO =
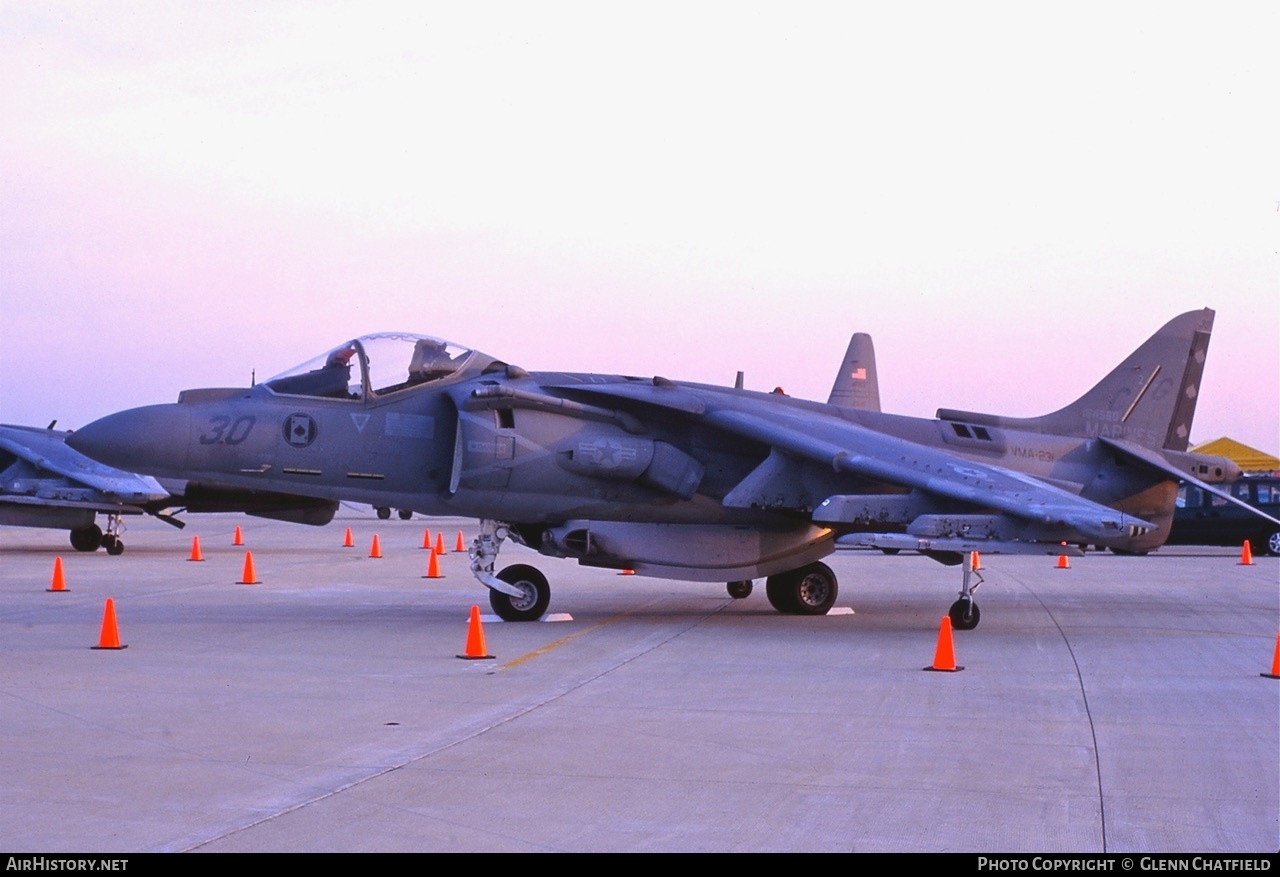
46,483
689,481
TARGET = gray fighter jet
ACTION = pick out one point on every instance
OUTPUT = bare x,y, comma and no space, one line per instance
45,483
689,481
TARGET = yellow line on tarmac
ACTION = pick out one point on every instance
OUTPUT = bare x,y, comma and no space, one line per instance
536,653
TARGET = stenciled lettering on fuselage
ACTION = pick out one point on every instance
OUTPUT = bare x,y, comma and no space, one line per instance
1040,455
409,425
1101,423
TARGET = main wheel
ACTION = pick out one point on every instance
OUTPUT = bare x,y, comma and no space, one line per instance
87,538
816,589
384,513
405,514
781,593
964,614
740,590
810,590
535,594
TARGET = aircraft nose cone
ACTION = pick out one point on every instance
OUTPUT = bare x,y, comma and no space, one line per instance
150,440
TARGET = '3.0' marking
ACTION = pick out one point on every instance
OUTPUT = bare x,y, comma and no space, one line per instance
225,431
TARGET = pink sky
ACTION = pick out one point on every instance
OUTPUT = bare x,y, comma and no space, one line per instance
1008,202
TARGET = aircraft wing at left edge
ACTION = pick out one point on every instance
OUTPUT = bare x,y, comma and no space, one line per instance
47,451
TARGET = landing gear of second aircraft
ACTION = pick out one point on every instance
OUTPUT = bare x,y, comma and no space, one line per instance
91,538
87,538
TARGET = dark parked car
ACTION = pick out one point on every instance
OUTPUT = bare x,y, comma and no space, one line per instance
1204,519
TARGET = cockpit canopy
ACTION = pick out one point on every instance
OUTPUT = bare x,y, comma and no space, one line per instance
375,365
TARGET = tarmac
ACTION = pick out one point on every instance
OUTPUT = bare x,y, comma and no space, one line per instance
1117,706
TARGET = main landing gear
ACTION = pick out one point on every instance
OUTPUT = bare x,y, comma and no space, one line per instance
809,590
521,592
90,538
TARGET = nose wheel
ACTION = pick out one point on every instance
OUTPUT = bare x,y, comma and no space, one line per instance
519,592
535,594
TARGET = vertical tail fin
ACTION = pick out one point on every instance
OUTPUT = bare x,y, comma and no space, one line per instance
1149,399
857,385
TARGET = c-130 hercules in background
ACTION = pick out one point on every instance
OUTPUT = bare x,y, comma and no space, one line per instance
689,481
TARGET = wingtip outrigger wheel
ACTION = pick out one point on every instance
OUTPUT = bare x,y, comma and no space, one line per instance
964,612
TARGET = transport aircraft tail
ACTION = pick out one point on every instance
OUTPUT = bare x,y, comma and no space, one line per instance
857,384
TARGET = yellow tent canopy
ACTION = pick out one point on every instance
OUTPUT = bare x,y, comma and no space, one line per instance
1247,458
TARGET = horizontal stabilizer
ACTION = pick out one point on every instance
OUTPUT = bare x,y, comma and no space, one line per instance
1155,461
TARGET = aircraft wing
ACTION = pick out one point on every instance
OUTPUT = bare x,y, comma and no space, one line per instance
1039,510
47,461
847,447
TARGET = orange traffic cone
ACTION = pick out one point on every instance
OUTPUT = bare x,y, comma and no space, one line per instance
195,550
460,545
475,638
944,655
347,541
58,583
433,567
110,636
426,539
375,550
1246,555
249,578
1275,662
238,539
440,543
1063,563
975,563
627,572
